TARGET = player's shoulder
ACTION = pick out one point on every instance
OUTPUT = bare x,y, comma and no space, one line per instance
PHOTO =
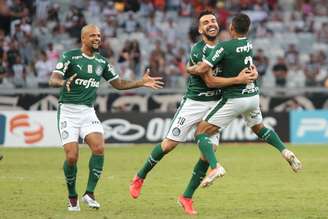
198,46
71,53
101,59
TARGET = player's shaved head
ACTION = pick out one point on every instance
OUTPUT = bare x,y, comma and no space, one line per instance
87,28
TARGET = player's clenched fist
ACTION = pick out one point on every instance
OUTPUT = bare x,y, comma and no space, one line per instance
69,82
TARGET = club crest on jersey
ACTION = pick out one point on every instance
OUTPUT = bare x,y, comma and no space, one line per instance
99,70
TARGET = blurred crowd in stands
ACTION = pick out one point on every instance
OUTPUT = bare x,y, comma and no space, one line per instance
290,37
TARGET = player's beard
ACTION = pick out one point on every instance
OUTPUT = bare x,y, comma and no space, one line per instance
211,38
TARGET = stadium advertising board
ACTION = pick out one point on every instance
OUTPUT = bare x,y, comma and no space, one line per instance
23,128
160,102
152,127
309,127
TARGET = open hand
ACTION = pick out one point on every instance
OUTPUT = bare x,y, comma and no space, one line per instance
152,82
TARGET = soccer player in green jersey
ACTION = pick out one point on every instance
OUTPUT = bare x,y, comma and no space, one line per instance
198,99
232,56
78,73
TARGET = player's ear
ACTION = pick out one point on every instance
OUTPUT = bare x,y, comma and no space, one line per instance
200,31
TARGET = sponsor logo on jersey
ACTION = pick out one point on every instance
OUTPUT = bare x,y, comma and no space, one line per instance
245,48
87,83
210,93
77,57
250,88
21,126
99,70
217,54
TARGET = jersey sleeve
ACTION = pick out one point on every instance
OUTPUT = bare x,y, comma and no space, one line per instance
109,73
195,56
62,64
215,56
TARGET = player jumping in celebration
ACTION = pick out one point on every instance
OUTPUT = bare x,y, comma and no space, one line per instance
78,73
198,99
232,56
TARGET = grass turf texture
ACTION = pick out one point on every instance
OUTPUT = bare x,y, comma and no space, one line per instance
258,184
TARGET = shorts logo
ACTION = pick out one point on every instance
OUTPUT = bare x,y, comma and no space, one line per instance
64,135
63,125
176,131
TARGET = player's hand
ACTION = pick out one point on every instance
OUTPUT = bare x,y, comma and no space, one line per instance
152,82
254,71
69,82
246,76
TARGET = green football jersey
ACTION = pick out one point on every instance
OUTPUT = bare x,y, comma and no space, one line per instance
196,87
232,57
89,71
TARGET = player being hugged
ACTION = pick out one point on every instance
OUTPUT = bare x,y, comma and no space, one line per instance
232,56
78,73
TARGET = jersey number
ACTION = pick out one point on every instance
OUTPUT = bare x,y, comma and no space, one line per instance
90,69
248,60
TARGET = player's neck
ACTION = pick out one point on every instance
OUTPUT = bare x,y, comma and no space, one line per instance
87,51
239,36
210,42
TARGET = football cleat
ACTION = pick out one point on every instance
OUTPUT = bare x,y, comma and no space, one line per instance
215,173
293,161
186,203
90,200
135,187
73,204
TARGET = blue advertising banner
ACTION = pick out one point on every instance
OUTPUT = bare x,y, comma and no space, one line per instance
2,128
309,127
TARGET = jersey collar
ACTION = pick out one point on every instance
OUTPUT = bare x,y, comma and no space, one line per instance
88,57
209,46
241,38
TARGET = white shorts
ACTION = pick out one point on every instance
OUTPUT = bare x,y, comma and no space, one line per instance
188,115
228,109
76,121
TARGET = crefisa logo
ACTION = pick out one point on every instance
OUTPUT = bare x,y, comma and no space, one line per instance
21,126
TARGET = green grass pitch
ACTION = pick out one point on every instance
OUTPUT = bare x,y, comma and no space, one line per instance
258,184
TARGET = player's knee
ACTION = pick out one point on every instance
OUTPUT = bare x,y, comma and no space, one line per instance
98,149
215,147
168,145
256,128
71,158
206,128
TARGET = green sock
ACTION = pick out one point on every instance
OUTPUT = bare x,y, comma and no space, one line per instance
272,138
205,146
155,156
198,174
70,176
96,164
